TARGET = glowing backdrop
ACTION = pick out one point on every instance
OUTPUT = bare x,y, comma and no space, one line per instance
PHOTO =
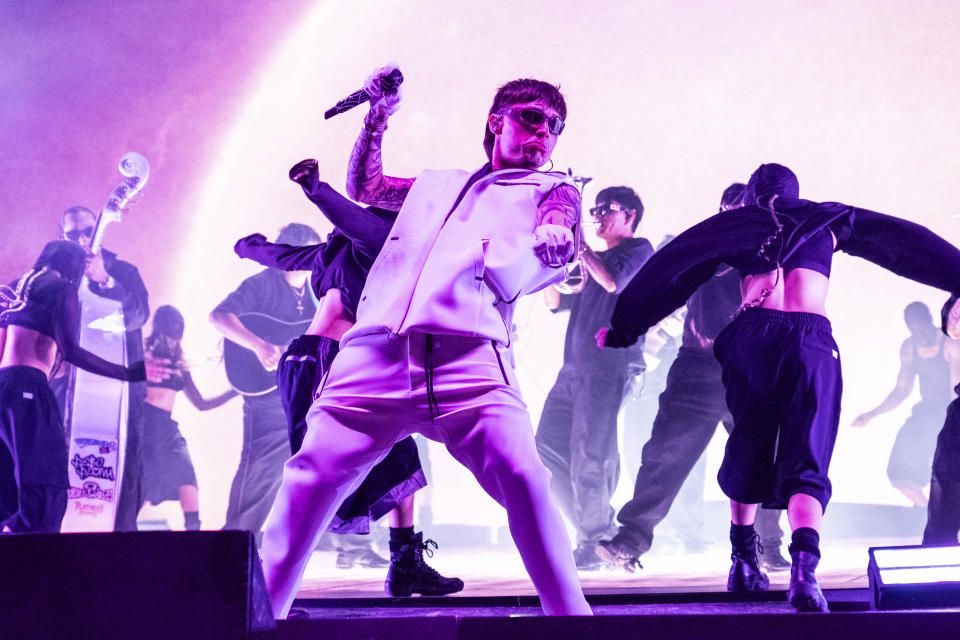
674,99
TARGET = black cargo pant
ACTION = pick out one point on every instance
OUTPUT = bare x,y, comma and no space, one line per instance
781,372
691,407
391,480
31,432
577,442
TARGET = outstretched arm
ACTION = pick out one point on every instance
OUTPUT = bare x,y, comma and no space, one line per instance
65,335
197,400
901,391
279,256
365,180
905,248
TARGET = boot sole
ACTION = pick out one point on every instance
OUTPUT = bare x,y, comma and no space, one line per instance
406,592
743,588
808,601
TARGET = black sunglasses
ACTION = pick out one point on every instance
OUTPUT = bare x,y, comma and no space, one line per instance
74,234
535,118
606,209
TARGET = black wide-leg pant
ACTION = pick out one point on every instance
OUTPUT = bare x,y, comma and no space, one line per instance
691,407
31,430
577,442
781,372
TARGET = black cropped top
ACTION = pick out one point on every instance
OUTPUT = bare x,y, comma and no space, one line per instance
816,253
51,307
751,240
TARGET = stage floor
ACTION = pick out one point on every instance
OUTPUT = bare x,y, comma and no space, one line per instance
496,571
675,595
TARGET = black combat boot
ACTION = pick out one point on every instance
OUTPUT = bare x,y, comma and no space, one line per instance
805,593
745,574
409,574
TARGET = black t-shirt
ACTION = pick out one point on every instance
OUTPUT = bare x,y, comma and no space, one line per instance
590,310
268,293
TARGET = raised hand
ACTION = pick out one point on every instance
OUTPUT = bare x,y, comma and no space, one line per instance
383,104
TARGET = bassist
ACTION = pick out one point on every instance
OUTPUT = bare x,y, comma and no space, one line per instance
114,279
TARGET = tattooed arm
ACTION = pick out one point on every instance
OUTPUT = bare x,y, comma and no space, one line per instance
365,180
559,219
561,206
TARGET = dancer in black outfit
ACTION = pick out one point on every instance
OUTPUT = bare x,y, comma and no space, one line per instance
339,269
923,358
691,406
168,472
38,329
781,366
577,434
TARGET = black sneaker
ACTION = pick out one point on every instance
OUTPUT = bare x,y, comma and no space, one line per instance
618,555
770,557
409,573
745,574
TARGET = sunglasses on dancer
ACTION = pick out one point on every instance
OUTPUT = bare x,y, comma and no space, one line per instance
602,210
74,235
534,118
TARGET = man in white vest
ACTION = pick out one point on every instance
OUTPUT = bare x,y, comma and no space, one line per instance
430,350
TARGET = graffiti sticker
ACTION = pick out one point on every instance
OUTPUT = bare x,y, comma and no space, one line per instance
92,466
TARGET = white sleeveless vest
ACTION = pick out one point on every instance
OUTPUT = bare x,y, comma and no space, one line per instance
457,268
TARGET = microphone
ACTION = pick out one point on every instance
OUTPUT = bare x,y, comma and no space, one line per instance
389,82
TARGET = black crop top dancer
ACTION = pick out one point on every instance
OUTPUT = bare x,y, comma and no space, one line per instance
781,366
38,330
168,472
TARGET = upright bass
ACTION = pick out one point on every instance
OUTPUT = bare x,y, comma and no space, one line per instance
97,407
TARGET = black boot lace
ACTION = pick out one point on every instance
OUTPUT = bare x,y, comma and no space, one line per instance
425,547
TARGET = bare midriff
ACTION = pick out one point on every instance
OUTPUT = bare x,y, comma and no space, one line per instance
796,290
161,397
24,347
331,319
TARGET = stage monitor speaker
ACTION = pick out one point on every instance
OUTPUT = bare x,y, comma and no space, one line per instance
136,585
914,577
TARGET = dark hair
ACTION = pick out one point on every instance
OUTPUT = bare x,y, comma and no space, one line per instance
917,313
516,92
168,320
167,323
625,196
298,235
732,196
66,257
72,211
771,179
